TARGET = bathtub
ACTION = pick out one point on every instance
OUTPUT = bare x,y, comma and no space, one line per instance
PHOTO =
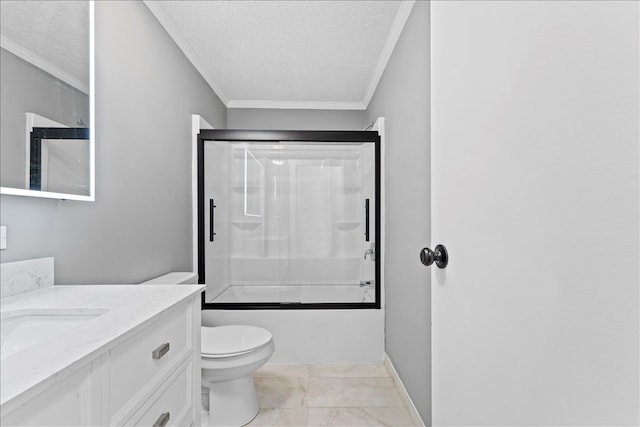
314,336
309,336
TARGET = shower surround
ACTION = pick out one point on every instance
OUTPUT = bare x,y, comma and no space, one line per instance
287,234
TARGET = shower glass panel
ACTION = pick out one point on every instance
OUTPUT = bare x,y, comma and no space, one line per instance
289,223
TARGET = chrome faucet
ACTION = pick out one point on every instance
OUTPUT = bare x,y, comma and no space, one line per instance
371,251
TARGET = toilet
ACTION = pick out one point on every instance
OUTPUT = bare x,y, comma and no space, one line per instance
229,356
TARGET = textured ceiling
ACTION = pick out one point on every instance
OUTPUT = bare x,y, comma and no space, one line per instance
278,54
51,34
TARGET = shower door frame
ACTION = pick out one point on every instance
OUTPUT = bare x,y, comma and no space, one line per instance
277,136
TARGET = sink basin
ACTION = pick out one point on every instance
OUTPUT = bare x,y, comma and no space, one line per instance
22,329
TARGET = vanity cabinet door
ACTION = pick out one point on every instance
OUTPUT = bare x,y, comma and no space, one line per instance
71,402
171,404
140,364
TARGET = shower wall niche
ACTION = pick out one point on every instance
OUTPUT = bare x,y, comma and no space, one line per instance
288,219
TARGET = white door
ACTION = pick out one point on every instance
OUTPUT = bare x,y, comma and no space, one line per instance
535,196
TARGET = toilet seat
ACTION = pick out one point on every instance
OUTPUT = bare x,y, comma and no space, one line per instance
232,340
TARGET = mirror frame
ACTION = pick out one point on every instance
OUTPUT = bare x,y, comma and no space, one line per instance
92,134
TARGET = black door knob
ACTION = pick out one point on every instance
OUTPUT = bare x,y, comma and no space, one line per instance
439,256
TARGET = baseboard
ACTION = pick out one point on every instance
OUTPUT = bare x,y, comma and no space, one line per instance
403,392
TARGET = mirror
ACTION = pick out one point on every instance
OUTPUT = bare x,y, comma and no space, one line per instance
47,146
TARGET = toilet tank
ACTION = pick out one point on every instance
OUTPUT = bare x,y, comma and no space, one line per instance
174,278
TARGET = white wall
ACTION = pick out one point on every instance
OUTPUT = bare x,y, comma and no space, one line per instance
402,97
140,224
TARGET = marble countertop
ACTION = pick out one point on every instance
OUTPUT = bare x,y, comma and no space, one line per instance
128,307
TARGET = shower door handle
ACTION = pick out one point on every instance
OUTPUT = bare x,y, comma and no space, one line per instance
212,207
366,220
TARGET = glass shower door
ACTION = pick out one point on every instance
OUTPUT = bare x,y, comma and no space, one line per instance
217,202
330,226
289,224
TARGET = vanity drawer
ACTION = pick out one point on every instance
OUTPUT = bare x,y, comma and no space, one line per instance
138,365
171,405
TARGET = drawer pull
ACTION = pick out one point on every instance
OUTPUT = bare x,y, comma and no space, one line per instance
162,420
160,351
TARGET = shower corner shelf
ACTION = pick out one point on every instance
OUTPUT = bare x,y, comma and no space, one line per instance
347,225
248,188
246,225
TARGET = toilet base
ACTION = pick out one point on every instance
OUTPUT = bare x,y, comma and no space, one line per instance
232,403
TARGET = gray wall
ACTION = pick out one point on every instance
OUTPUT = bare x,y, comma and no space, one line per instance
28,89
403,98
140,224
253,118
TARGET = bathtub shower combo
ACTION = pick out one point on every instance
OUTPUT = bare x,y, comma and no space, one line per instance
288,219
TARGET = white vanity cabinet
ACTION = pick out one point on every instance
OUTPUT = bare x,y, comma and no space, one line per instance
148,376
71,402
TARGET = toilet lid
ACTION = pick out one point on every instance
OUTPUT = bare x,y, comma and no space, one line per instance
233,339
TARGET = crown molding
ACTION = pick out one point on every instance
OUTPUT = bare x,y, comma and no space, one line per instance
296,105
170,27
26,55
394,34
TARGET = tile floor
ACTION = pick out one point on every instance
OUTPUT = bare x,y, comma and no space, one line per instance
328,395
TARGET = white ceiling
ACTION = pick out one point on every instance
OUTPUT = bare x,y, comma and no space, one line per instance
254,54
53,35
287,54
